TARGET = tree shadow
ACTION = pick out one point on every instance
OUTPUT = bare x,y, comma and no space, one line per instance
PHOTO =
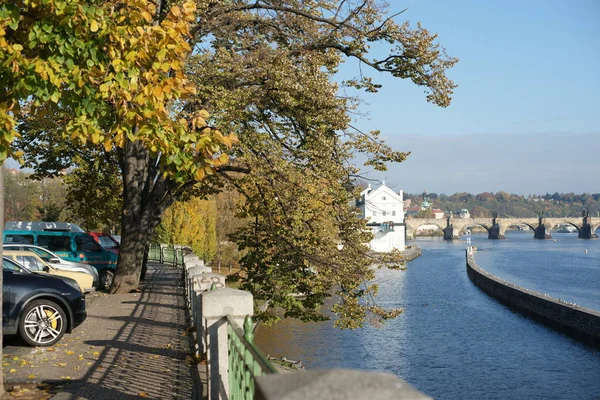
149,355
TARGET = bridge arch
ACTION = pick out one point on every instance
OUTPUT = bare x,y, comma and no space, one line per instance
484,226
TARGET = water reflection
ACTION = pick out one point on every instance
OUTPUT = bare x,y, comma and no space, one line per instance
455,342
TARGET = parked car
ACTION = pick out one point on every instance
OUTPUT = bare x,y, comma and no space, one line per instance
34,263
39,308
106,240
55,261
72,246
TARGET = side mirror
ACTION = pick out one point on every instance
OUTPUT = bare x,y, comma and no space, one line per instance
54,260
46,268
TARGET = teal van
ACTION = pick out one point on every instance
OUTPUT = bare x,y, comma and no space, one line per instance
72,246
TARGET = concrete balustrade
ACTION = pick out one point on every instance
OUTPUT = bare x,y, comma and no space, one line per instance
200,284
216,305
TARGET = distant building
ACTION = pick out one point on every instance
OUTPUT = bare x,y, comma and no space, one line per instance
438,214
383,209
464,213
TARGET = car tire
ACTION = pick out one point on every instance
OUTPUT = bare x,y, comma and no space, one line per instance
106,278
42,323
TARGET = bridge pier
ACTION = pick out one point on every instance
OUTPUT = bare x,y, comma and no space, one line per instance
450,233
586,231
495,232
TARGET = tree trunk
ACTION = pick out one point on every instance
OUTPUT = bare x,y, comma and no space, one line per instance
135,229
145,197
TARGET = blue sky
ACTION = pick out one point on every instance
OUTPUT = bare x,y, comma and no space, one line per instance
526,115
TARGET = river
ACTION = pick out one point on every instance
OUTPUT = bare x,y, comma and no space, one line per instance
455,342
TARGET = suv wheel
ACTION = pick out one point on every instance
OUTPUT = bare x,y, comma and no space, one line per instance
43,323
106,278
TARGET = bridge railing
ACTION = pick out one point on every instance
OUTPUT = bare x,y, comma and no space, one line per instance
165,254
246,361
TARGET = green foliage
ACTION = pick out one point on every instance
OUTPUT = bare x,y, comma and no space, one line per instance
94,192
50,212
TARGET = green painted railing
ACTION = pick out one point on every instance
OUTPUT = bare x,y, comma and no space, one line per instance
246,361
165,255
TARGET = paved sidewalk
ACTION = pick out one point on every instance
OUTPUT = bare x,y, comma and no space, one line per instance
131,346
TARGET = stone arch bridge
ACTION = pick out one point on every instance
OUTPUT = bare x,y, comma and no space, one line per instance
496,227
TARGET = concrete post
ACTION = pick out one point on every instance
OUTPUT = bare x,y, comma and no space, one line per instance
216,305
191,273
335,384
200,284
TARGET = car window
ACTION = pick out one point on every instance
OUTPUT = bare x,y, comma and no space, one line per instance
87,244
10,265
107,242
31,263
43,254
21,239
55,243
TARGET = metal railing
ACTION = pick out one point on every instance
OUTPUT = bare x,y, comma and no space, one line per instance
246,361
165,255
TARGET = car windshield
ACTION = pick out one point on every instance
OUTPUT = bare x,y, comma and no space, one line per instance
107,242
43,254
10,265
32,263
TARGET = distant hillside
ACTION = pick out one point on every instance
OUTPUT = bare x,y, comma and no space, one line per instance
506,204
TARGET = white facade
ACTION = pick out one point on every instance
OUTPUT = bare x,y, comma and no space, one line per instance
383,210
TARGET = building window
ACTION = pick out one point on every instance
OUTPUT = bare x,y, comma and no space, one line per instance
383,198
393,213
384,213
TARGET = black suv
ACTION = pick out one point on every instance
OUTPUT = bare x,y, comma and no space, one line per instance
40,308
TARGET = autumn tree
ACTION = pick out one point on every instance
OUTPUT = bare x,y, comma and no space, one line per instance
265,70
110,74
191,223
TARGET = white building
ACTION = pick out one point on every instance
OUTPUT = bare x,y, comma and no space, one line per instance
383,209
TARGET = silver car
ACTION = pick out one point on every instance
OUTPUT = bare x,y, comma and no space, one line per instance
56,261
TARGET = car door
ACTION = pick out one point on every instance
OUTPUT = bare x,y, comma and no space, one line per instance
9,319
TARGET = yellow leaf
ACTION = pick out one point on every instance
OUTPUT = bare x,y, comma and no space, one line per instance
31,376
204,114
157,91
15,358
199,175
107,147
12,371
176,11
60,364
95,353
69,352
94,27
